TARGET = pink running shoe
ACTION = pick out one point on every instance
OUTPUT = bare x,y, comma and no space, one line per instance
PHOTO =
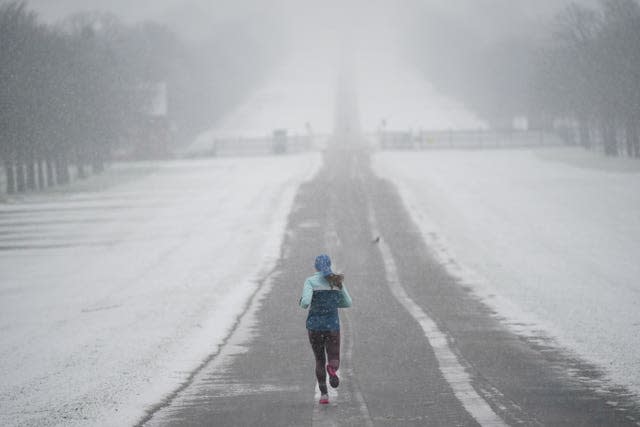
333,377
324,399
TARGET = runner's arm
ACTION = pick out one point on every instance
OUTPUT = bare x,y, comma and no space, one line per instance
345,298
307,294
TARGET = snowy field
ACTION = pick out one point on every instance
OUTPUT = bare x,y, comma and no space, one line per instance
549,238
111,296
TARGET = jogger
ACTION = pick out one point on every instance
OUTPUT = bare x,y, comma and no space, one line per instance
323,322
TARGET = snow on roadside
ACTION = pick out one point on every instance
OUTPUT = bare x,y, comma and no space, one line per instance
550,244
109,299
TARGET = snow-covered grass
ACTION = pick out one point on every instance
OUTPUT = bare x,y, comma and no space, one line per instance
549,238
110,297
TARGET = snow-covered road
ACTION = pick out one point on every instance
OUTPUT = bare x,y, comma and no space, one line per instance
110,298
550,239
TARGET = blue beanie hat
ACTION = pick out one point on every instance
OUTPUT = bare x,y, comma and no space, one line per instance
323,265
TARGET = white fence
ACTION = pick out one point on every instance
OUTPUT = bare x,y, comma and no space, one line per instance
475,139
252,146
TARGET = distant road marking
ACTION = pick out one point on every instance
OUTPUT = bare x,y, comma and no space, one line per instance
452,370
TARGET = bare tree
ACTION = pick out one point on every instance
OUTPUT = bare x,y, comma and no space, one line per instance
620,63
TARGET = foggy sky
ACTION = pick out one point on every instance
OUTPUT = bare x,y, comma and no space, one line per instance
194,19
376,29
197,18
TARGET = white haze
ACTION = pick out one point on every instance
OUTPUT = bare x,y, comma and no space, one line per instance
376,32
298,90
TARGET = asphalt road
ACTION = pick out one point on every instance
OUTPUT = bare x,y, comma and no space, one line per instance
418,348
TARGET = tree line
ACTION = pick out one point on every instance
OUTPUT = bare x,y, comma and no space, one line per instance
590,74
578,74
73,93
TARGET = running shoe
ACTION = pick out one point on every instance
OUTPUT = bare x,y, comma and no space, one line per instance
333,377
324,399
